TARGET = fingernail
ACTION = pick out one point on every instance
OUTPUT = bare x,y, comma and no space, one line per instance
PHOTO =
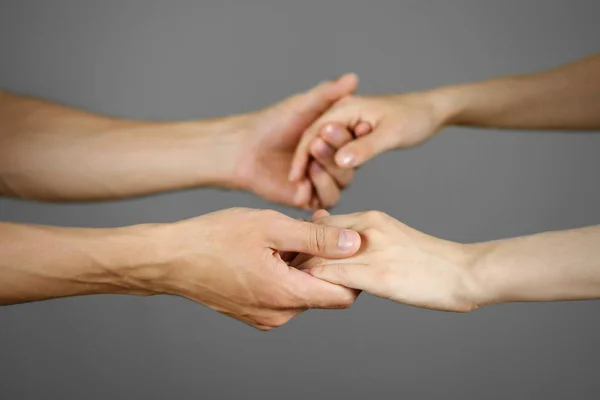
348,239
347,159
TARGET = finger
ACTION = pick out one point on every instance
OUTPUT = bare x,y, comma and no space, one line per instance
356,276
355,221
317,101
325,186
316,293
300,259
303,194
320,214
362,128
323,153
336,135
289,234
315,203
364,148
301,156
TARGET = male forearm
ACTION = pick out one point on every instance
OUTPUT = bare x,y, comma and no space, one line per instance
41,262
51,152
551,266
563,98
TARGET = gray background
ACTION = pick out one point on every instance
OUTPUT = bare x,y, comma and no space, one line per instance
187,59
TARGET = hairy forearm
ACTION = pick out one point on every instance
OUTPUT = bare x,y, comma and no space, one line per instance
41,262
563,98
551,266
57,153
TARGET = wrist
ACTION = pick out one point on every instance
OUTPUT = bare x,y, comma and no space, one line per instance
446,104
483,277
213,147
171,256
128,260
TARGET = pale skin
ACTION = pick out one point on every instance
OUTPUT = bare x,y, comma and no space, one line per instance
233,261
563,98
408,266
400,263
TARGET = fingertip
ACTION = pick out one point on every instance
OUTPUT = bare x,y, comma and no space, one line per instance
303,194
320,214
348,81
351,77
345,159
363,128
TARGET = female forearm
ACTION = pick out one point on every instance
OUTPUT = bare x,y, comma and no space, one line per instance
551,266
563,98
52,152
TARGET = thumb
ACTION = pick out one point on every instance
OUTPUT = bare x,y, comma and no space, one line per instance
315,239
324,95
364,148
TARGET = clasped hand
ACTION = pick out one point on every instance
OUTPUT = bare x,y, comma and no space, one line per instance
323,134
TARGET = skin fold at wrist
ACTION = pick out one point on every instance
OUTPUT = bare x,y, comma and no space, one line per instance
445,105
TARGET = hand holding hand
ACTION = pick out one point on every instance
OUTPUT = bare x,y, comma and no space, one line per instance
380,123
231,261
272,135
401,264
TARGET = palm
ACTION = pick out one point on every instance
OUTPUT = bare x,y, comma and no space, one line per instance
278,136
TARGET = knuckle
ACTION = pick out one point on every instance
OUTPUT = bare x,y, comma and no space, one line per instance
376,216
317,237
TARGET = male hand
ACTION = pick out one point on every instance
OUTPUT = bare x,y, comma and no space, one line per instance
400,263
272,136
231,261
379,124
